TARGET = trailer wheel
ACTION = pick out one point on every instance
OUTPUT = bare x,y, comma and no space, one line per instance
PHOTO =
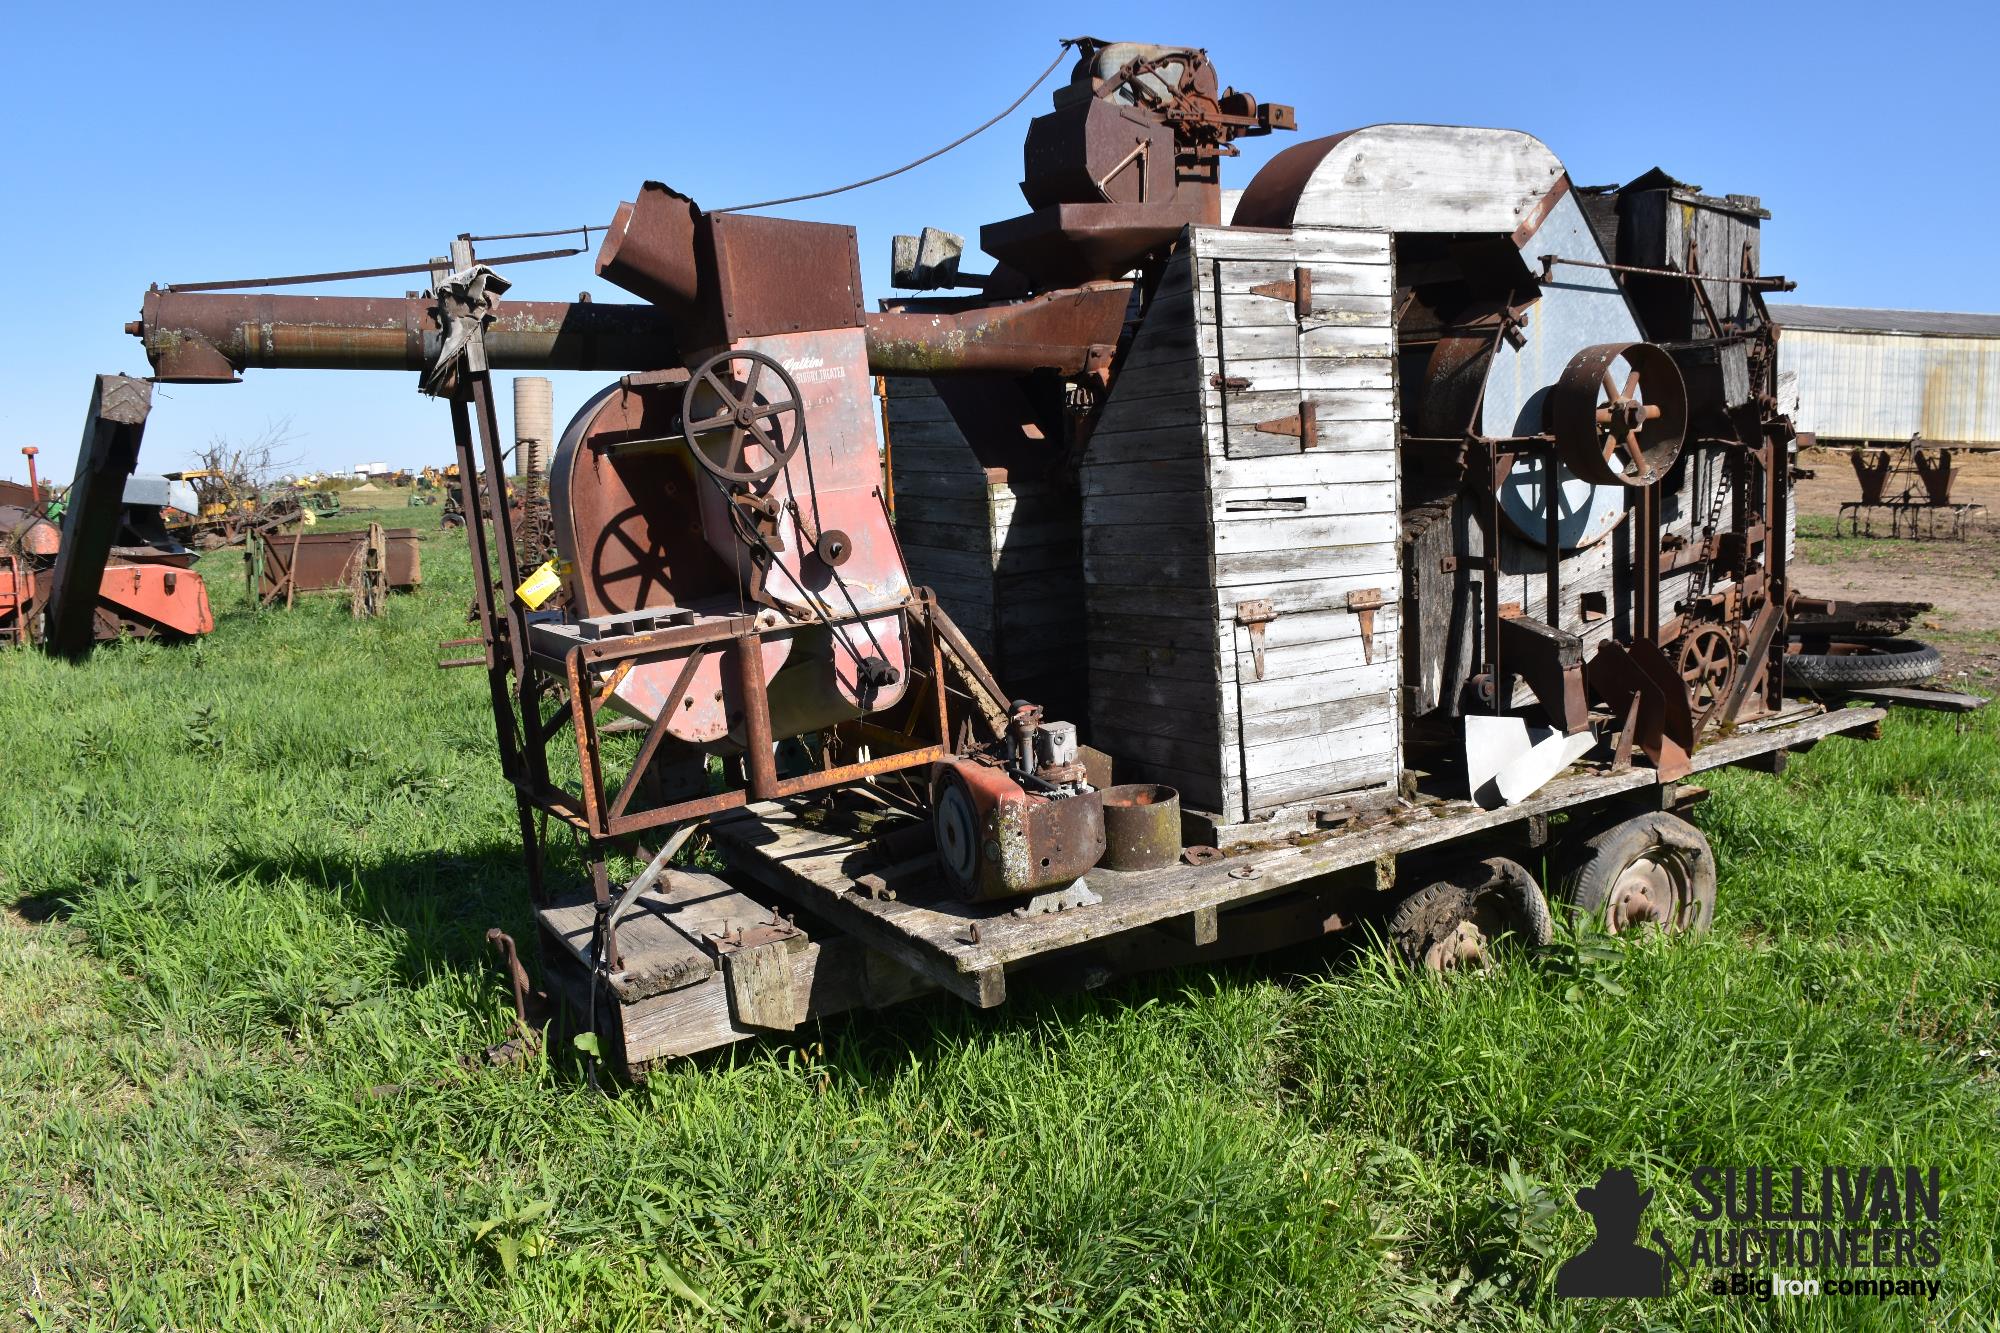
1457,922
1652,870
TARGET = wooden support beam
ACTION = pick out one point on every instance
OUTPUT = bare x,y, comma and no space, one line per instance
1196,928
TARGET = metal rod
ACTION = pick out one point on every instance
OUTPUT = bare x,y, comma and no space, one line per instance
1773,282
1646,598
758,763
655,733
865,768
492,508
1552,543
1489,541
305,279
505,732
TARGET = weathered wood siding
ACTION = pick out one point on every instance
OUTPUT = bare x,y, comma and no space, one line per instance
1192,514
1000,550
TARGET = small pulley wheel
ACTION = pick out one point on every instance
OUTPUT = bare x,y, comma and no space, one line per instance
1619,414
955,822
833,548
742,416
1707,663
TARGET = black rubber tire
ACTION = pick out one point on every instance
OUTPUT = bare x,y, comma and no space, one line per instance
1882,662
1487,893
1594,865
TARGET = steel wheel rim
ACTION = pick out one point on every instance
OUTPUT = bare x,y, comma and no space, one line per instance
1470,945
1465,948
1655,889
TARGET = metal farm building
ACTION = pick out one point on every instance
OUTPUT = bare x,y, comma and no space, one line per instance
1884,377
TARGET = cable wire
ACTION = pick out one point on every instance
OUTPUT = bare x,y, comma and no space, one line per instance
1068,42
301,279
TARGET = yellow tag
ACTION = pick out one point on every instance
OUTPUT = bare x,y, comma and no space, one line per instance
307,518
539,586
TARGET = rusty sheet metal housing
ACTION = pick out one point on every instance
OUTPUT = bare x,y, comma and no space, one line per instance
725,276
1027,842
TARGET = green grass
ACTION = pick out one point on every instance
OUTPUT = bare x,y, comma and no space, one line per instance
259,869
1824,540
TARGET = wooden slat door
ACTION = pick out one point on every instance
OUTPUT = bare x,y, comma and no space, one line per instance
1302,509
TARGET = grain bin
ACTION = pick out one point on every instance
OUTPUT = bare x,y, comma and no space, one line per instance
534,411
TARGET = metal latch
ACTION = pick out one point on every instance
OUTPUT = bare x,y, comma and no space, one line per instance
1305,425
1254,616
1228,382
1299,291
1364,602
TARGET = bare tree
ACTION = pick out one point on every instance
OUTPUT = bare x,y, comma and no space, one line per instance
238,470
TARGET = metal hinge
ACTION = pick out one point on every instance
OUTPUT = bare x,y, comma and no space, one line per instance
1364,603
1305,425
1254,616
1299,291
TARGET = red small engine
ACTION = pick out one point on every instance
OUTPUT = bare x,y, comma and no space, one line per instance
1020,817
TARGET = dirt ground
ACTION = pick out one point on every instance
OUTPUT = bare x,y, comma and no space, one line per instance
1956,577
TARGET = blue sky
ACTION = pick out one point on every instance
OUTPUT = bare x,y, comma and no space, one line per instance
187,143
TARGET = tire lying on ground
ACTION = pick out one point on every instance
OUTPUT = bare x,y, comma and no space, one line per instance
1455,922
1654,870
1860,664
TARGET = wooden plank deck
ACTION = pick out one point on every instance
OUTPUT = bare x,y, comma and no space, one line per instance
672,998
966,948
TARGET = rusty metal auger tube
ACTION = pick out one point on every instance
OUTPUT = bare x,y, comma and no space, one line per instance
212,337
209,337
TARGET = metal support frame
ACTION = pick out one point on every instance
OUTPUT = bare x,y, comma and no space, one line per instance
606,814
521,682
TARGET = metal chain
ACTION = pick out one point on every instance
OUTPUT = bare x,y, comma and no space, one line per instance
1698,582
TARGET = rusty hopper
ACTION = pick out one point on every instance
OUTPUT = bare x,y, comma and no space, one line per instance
307,561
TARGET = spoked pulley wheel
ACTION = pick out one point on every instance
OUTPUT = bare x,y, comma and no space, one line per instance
1707,663
1619,414
742,416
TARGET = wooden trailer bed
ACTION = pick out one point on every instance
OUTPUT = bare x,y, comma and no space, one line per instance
708,962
